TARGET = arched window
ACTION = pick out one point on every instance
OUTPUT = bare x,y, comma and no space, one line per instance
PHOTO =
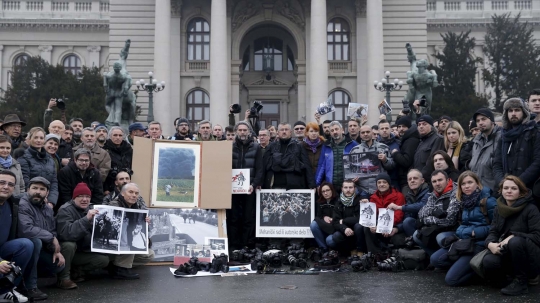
290,59
197,107
72,64
341,101
20,59
198,40
268,54
338,34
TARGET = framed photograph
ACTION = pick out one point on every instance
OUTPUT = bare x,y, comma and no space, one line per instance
240,181
119,230
284,213
361,165
176,175
171,230
217,246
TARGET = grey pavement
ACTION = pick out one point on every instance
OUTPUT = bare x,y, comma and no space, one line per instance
157,284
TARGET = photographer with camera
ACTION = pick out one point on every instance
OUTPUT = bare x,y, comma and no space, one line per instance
15,254
121,154
251,115
77,171
47,115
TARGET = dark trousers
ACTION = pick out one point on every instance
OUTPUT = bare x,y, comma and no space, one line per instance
41,261
339,240
377,243
18,251
241,222
518,261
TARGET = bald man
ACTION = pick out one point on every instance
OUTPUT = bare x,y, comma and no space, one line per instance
57,127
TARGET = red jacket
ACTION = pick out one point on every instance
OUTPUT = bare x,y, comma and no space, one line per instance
392,196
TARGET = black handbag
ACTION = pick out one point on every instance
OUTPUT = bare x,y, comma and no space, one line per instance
460,248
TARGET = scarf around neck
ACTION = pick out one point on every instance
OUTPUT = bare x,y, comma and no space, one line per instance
6,163
347,201
312,144
469,201
508,137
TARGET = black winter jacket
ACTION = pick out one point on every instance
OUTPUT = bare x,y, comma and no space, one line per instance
72,225
249,155
404,158
428,145
14,205
65,150
325,209
121,159
69,177
39,164
292,164
350,215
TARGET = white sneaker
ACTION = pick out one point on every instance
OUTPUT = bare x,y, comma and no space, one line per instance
9,297
20,297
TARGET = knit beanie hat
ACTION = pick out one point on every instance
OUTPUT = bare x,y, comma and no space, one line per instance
299,123
445,117
81,189
473,125
515,103
182,120
486,112
405,120
383,176
101,126
425,118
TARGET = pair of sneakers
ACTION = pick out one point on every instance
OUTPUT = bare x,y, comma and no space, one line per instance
13,296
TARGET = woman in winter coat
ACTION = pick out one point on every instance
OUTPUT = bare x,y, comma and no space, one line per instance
35,162
313,143
477,213
322,226
8,163
52,142
457,146
514,239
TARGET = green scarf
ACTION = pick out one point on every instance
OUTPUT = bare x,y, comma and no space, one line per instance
506,211
347,201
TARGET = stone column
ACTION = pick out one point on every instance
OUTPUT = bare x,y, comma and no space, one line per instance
375,58
178,103
45,52
362,82
318,57
162,68
2,67
93,55
218,63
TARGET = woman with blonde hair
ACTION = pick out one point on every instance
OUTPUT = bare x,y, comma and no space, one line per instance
457,146
36,162
313,143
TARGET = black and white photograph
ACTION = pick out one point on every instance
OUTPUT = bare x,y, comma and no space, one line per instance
106,231
385,221
326,107
134,234
284,214
368,215
361,165
172,227
217,246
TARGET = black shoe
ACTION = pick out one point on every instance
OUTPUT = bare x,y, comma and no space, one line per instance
516,288
33,294
124,274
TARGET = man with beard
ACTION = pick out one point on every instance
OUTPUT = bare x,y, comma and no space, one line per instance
430,142
121,154
517,153
101,134
385,136
273,133
12,126
74,224
122,178
324,128
404,156
36,222
100,157
182,130
485,146
247,154
330,167
534,104
77,171
135,130
286,163
77,125
65,148
205,131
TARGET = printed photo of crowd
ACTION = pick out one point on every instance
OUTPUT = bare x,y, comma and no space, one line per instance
285,209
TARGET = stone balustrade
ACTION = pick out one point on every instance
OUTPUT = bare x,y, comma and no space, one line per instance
46,9
472,9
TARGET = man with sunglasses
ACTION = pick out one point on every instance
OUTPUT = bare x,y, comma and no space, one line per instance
80,170
182,130
299,130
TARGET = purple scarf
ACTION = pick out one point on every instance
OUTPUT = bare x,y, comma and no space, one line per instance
312,144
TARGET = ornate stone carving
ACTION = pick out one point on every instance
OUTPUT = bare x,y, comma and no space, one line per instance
288,11
361,7
273,81
45,48
176,7
93,48
65,24
243,12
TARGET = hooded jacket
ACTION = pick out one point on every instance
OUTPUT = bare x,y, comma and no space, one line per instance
39,164
325,166
404,157
474,220
483,153
382,200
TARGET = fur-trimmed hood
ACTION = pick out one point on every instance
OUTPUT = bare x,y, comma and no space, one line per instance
514,103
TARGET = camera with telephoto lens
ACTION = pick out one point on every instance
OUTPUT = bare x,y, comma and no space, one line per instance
219,263
8,280
61,104
329,258
296,263
255,109
362,263
423,101
236,108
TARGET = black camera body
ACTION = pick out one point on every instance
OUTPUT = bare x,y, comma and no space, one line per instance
273,259
8,280
61,104
255,109
423,101
406,108
219,263
236,108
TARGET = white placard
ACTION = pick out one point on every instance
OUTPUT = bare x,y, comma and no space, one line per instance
368,215
385,221
240,181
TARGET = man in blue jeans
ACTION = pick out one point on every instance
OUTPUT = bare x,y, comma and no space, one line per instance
16,251
36,222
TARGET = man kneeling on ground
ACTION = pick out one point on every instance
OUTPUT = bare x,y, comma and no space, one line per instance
74,223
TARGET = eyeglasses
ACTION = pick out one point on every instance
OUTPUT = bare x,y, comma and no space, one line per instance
299,128
83,160
10,184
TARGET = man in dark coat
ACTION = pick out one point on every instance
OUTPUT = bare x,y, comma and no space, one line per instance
12,127
247,154
74,223
430,142
404,156
286,163
80,170
121,153
518,146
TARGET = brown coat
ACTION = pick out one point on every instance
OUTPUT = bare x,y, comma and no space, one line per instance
313,157
100,159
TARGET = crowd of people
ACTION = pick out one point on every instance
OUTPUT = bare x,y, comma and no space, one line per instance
443,186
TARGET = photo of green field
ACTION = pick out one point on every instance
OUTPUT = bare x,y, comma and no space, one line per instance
182,190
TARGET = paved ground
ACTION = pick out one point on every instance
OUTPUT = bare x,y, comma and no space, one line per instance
158,285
